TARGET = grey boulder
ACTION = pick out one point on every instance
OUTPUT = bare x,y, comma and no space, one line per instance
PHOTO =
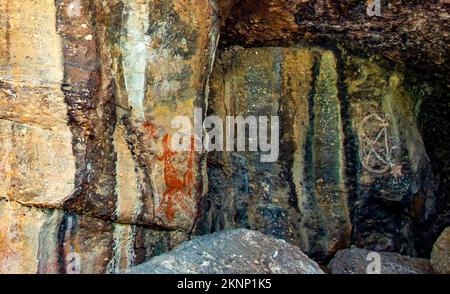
231,252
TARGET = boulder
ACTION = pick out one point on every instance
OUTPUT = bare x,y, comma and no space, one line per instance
231,252
440,256
363,261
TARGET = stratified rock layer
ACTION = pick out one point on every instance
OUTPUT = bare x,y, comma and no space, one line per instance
231,252
90,183
37,240
37,162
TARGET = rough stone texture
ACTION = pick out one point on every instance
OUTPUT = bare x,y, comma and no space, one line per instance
440,256
37,163
162,65
301,197
259,20
87,89
394,172
413,32
37,240
358,261
231,252
433,118
87,92
27,236
349,143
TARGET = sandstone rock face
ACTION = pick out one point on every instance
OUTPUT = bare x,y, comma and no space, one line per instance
36,240
231,252
348,143
302,193
163,64
440,256
28,239
38,165
87,93
361,261
89,90
394,171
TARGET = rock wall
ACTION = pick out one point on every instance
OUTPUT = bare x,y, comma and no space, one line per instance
303,192
87,91
352,167
89,182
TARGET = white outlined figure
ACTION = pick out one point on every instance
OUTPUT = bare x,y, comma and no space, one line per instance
376,154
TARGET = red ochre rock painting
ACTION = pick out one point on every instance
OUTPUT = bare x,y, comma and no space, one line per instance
177,189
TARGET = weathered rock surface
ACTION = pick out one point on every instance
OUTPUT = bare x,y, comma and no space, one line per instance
231,252
37,165
301,196
88,90
392,200
348,143
162,64
37,240
130,68
362,261
411,32
87,93
440,256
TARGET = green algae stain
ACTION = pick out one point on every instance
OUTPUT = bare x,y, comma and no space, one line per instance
327,142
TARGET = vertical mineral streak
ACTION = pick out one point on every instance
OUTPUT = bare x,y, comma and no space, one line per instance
164,58
328,162
134,44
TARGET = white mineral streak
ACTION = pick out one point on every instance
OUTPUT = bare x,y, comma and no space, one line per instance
123,248
134,49
129,198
